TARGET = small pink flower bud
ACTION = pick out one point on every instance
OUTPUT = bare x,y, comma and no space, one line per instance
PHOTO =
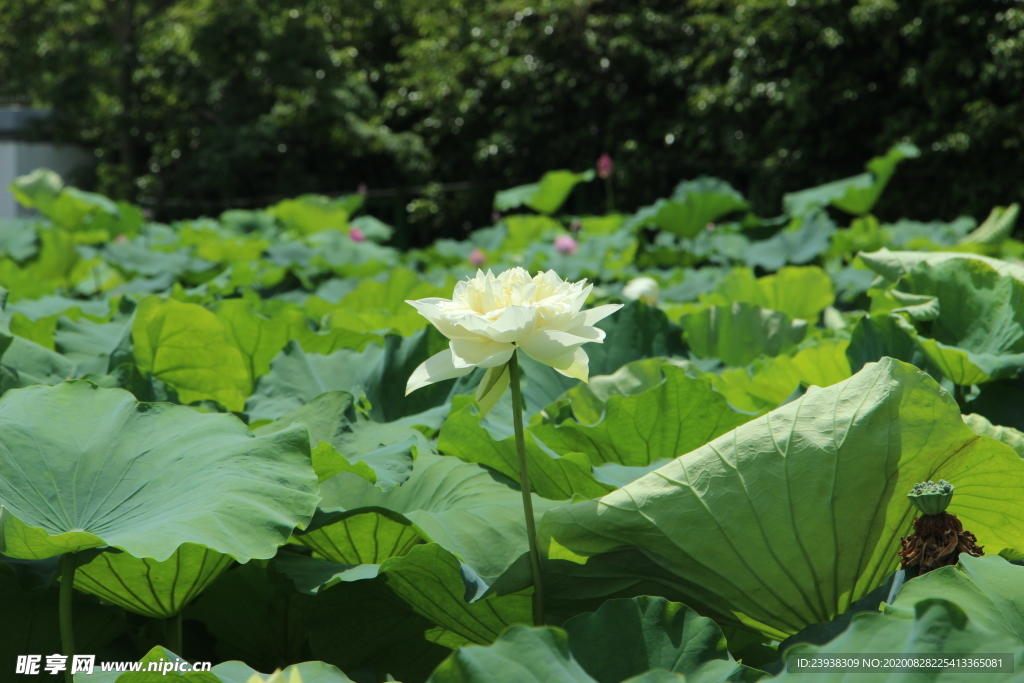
356,234
477,258
565,244
605,167
495,216
709,227
121,239
362,189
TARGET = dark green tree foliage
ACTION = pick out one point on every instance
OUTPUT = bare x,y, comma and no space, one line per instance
192,105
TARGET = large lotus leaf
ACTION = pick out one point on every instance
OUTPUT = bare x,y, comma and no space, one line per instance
628,637
344,257
253,615
37,190
189,348
306,672
892,265
996,228
26,363
800,242
986,588
798,291
551,476
297,377
434,583
460,506
526,230
635,331
332,418
693,205
258,337
938,627
86,467
978,335
30,624
666,421
18,238
1011,437
787,520
157,656
313,213
383,303
876,336
150,588
854,195
96,347
545,196
739,333
385,386
521,655
312,575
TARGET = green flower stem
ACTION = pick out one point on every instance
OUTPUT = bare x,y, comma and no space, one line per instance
609,195
174,634
524,485
68,564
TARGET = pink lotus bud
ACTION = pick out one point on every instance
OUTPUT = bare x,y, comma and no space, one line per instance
495,216
565,244
356,234
709,227
477,258
362,189
121,239
605,167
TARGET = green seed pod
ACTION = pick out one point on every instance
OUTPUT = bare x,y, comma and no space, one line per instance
931,498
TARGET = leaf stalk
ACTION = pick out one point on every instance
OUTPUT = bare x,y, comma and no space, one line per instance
524,485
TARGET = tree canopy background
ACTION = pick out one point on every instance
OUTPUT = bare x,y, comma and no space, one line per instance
196,106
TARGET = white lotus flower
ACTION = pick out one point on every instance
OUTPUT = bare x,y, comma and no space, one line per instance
489,316
643,288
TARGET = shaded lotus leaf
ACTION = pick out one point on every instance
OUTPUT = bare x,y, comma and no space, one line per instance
937,627
739,333
628,637
365,629
588,400
521,655
253,615
150,588
460,506
636,331
312,575
306,672
87,467
30,623
791,517
190,349
437,586
552,476
333,418
986,588
666,421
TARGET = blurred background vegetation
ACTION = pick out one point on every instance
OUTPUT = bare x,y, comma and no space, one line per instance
195,106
